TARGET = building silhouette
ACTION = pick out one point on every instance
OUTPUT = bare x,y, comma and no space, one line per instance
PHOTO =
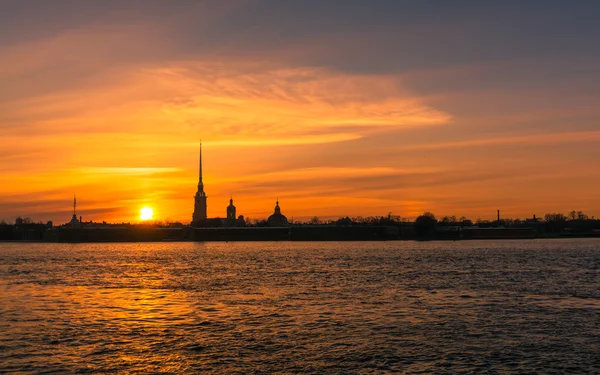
277,219
231,211
200,197
200,217
74,222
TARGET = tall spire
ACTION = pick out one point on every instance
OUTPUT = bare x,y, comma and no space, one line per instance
200,197
74,222
200,165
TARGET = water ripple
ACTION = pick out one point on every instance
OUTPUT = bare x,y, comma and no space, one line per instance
398,307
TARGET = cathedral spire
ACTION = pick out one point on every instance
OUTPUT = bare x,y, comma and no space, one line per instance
74,222
200,197
200,165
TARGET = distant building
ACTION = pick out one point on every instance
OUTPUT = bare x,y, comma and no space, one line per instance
74,222
200,197
231,220
277,219
231,210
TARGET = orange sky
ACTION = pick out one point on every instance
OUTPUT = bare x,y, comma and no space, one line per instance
111,109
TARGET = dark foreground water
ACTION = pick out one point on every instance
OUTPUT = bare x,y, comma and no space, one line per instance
397,307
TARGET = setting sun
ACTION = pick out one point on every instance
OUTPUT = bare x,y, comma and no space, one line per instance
146,213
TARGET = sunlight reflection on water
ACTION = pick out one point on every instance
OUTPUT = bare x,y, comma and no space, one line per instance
502,307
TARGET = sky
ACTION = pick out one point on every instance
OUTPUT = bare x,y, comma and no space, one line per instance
336,108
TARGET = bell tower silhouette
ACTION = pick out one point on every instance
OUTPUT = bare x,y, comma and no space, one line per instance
200,197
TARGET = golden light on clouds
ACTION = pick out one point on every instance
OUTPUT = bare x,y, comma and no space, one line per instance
132,140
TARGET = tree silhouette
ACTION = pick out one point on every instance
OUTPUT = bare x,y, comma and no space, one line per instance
425,224
555,217
555,222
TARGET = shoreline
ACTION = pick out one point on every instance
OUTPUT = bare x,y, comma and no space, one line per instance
317,240
260,234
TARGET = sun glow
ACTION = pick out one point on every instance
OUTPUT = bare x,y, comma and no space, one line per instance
146,213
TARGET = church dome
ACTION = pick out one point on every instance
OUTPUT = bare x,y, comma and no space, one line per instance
277,219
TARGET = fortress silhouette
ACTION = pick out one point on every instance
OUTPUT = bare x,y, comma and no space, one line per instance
200,217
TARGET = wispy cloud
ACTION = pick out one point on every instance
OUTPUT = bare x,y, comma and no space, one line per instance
529,139
123,171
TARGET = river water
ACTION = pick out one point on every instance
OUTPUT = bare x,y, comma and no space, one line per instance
286,307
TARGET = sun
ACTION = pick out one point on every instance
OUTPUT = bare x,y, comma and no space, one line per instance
146,213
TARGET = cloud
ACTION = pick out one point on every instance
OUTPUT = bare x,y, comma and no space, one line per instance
124,171
300,140
529,139
327,173
222,101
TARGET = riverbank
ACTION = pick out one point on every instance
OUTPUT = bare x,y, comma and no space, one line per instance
292,233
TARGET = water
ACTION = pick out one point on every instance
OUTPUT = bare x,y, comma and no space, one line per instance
395,307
